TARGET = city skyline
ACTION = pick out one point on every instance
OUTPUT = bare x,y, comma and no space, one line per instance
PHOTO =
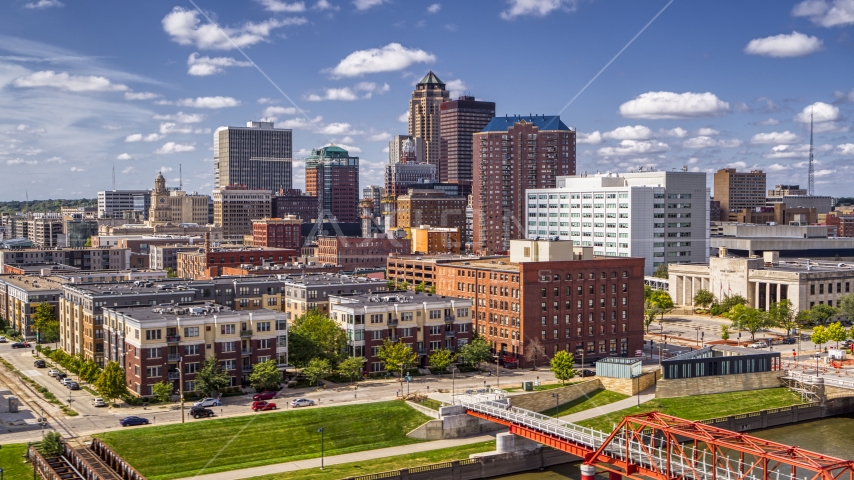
702,86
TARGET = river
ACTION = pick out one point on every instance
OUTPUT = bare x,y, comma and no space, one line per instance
830,436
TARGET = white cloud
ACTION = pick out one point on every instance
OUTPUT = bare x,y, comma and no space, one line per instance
138,137
822,112
124,156
594,138
141,95
170,127
152,137
634,147
21,161
659,105
366,4
692,160
265,100
135,137
794,151
129,170
539,8
737,165
165,169
380,137
183,26
795,45
202,66
208,102
172,147
324,5
272,112
637,132
824,172
24,128
42,4
434,8
827,14
677,132
301,123
730,143
280,6
779,138
390,58
77,169
350,148
69,83
769,122
181,117
456,87
344,94
338,128
55,160
709,142
708,131
845,149
111,127
845,97
404,117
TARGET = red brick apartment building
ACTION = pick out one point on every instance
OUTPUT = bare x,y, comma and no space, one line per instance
568,299
356,252
208,263
277,233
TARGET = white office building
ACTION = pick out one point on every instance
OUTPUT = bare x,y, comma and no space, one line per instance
112,203
660,216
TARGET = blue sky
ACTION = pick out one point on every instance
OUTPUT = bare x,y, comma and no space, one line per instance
85,85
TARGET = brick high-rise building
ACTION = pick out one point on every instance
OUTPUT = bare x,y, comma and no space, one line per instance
513,154
356,252
277,232
332,175
738,190
424,114
553,292
235,206
459,120
258,156
430,207
294,202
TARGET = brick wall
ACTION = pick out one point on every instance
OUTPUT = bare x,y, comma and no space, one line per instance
629,386
717,384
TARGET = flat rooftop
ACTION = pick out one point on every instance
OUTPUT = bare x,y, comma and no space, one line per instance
32,282
391,298
171,313
316,279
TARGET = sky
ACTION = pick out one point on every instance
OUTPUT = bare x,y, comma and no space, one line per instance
85,86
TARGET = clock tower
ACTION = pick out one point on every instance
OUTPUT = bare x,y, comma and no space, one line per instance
161,209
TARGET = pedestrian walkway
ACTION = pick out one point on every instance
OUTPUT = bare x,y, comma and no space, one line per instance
339,459
645,396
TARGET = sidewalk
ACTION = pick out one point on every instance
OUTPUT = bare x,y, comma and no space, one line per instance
338,459
645,396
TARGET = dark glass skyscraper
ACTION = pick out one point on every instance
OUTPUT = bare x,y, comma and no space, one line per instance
459,119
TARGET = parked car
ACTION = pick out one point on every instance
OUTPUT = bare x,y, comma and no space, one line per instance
3,340
759,344
133,420
511,365
790,341
586,373
302,402
65,380
53,372
201,412
266,395
39,364
98,402
207,402
20,345
72,385
262,405
60,376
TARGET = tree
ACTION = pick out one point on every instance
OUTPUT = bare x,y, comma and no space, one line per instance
421,287
730,301
170,273
111,384
45,323
351,367
396,355
661,271
534,351
88,242
661,301
783,315
476,351
89,371
846,305
316,369
819,335
820,314
404,286
724,332
162,391
562,366
803,318
432,289
265,376
52,446
440,359
314,335
704,298
211,378
650,310
391,285
836,333
647,291
750,319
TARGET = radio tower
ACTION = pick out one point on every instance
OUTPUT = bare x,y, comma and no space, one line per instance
811,179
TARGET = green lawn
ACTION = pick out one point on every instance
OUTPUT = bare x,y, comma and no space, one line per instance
702,407
596,398
550,386
183,450
431,404
378,465
12,461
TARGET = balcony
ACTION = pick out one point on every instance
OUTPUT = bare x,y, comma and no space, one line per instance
246,351
450,333
174,357
393,338
173,338
173,376
391,322
246,333
246,369
449,318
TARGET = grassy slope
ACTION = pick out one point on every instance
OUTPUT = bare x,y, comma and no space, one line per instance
597,398
181,450
12,461
384,464
702,407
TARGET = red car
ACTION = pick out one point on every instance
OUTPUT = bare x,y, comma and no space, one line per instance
264,396
262,405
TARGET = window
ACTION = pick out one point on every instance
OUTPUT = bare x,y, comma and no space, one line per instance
263,326
153,371
229,347
191,367
229,365
264,343
376,334
461,312
191,349
153,334
435,314
436,329
227,329
191,331
153,353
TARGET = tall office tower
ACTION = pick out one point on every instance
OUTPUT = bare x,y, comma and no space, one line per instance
424,115
332,175
258,156
395,148
513,154
113,203
738,190
407,171
459,119
235,206
375,193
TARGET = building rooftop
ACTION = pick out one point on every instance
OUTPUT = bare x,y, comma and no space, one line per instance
170,313
32,283
542,122
392,298
320,279
430,78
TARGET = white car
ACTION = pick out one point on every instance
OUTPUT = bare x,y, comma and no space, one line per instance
207,402
99,402
3,340
302,402
758,345
52,372
65,381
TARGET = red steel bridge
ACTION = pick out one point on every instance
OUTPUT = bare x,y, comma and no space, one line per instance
662,447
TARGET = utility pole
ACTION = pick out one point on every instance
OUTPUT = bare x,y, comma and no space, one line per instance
811,178
181,385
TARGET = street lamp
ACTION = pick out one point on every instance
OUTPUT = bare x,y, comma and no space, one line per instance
698,335
320,431
556,396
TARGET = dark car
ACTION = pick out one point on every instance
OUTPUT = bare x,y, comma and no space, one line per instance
262,405
266,395
201,412
60,376
789,341
39,364
72,385
20,345
586,373
133,420
511,365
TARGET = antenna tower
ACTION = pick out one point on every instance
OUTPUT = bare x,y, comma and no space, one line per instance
811,179
114,175
180,178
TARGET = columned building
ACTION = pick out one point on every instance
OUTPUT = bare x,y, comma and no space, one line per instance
424,115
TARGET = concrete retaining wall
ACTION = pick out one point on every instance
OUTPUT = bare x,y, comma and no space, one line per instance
783,416
629,386
543,400
683,387
454,423
426,411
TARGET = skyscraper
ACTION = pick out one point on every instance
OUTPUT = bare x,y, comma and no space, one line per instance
424,115
332,175
258,156
407,171
738,190
459,119
513,154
